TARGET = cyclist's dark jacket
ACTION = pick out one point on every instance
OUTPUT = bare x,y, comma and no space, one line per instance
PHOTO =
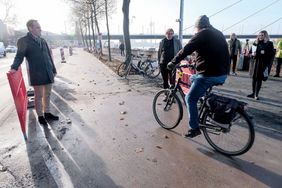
212,57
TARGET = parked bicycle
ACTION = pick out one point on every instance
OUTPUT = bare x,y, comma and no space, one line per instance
230,132
146,67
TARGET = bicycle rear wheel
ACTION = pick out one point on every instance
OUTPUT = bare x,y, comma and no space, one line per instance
167,109
152,70
231,139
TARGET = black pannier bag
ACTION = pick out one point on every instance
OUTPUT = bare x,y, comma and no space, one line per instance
223,108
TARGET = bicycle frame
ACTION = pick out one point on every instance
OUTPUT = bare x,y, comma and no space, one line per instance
179,89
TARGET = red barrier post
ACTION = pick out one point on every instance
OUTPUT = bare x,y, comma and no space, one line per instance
18,89
188,72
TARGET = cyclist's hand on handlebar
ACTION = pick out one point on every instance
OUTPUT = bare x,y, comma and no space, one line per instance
170,66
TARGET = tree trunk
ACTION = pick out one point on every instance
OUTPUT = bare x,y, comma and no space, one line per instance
108,30
89,34
82,35
92,26
126,35
86,40
98,29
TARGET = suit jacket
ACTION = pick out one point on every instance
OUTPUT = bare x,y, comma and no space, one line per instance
40,62
176,45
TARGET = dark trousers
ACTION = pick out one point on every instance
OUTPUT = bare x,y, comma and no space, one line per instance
167,76
233,58
122,52
278,66
256,86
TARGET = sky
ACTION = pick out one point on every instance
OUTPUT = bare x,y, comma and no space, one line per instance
155,16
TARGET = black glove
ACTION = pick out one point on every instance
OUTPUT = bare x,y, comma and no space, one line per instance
170,66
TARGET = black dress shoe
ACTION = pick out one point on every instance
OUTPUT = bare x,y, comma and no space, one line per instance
251,95
49,116
42,120
192,133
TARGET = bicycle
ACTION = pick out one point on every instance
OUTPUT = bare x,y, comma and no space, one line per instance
150,66
234,138
147,67
123,69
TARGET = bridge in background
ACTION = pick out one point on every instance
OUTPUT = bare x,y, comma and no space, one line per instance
141,36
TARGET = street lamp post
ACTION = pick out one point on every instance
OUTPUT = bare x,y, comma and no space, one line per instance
180,20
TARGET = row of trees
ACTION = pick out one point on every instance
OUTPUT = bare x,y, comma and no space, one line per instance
89,14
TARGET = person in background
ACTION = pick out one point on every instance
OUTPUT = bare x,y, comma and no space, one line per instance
41,69
262,58
168,48
278,58
247,55
212,65
121,47
234,50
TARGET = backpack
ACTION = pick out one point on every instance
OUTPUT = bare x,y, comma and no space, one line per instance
223,108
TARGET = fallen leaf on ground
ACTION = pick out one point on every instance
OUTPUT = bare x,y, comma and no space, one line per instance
121,103
3,169
68,121
139,150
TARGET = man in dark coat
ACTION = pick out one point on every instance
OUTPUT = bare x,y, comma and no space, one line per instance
168,48
212,65
41,69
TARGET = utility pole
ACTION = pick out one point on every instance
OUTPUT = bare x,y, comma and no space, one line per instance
180,20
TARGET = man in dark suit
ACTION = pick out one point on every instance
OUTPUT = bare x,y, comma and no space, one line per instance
41,69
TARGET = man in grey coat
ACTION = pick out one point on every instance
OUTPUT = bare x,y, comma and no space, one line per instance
169,47
40,66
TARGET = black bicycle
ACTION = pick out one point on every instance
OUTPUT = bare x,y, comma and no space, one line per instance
231,138
124,69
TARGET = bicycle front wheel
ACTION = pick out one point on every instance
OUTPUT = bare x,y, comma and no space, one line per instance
231,139
167,109
152,70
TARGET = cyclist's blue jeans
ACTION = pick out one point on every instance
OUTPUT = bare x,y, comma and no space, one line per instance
200,85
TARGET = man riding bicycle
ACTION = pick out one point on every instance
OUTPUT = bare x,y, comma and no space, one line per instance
212,65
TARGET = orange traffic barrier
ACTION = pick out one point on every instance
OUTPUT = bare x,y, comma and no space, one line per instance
18,89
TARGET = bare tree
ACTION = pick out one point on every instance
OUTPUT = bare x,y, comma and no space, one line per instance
97,11
88,17
8,18
126,35
108,30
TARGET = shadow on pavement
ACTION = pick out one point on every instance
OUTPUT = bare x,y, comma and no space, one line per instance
40,173
263,175
85,168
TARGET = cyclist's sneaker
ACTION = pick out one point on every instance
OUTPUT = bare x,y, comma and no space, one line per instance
192,133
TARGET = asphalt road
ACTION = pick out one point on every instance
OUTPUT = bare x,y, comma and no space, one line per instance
107,137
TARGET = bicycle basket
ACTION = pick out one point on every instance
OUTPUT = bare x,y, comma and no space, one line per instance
223,108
